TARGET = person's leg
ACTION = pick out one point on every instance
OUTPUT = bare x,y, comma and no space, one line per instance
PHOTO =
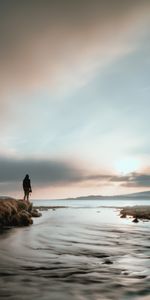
25,195
28,196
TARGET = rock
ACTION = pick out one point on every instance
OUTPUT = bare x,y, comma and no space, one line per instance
123,215
16,213
107,261
141,212
15,221
25,218
7,209
126,273
30,207
35,213
135,220
23,205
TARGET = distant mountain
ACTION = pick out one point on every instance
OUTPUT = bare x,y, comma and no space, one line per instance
138,195
145,195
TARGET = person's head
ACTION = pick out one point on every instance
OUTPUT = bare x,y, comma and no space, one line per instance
27,176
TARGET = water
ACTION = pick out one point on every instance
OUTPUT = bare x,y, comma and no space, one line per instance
92,203
80,252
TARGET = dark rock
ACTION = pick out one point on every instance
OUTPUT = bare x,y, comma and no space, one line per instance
15,221
123,216
135,220
35,213
125,273
24,218
107,262
30,207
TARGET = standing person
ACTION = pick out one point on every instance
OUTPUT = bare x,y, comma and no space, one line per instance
27,187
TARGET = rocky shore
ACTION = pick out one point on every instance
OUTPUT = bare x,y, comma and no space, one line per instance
16,213
137,212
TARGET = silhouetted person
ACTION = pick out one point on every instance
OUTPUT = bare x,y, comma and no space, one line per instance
27,187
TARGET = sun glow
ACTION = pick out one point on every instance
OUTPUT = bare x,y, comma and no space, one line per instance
127,165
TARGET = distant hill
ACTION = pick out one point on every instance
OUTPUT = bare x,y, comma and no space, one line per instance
140,195
144,195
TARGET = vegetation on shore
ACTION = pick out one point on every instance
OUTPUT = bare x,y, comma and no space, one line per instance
16,213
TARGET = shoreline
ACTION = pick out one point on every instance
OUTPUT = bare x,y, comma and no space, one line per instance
138,212
17,213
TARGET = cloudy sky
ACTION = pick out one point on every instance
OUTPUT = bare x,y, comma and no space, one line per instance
74,96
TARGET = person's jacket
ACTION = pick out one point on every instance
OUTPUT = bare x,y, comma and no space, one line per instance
27,184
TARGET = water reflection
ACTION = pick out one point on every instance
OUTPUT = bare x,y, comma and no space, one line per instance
76,254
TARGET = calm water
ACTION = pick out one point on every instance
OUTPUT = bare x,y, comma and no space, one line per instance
78,253
92,203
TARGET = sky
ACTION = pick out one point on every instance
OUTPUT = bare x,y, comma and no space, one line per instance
74,97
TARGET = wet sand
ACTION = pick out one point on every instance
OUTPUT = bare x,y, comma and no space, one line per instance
76,253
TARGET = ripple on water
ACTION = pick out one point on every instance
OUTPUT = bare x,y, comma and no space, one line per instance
74,258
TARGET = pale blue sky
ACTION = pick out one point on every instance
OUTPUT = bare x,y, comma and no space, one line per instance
79,96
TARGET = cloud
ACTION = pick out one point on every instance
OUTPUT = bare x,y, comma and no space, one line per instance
61,45
58,178
45,173
137,180
133,179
